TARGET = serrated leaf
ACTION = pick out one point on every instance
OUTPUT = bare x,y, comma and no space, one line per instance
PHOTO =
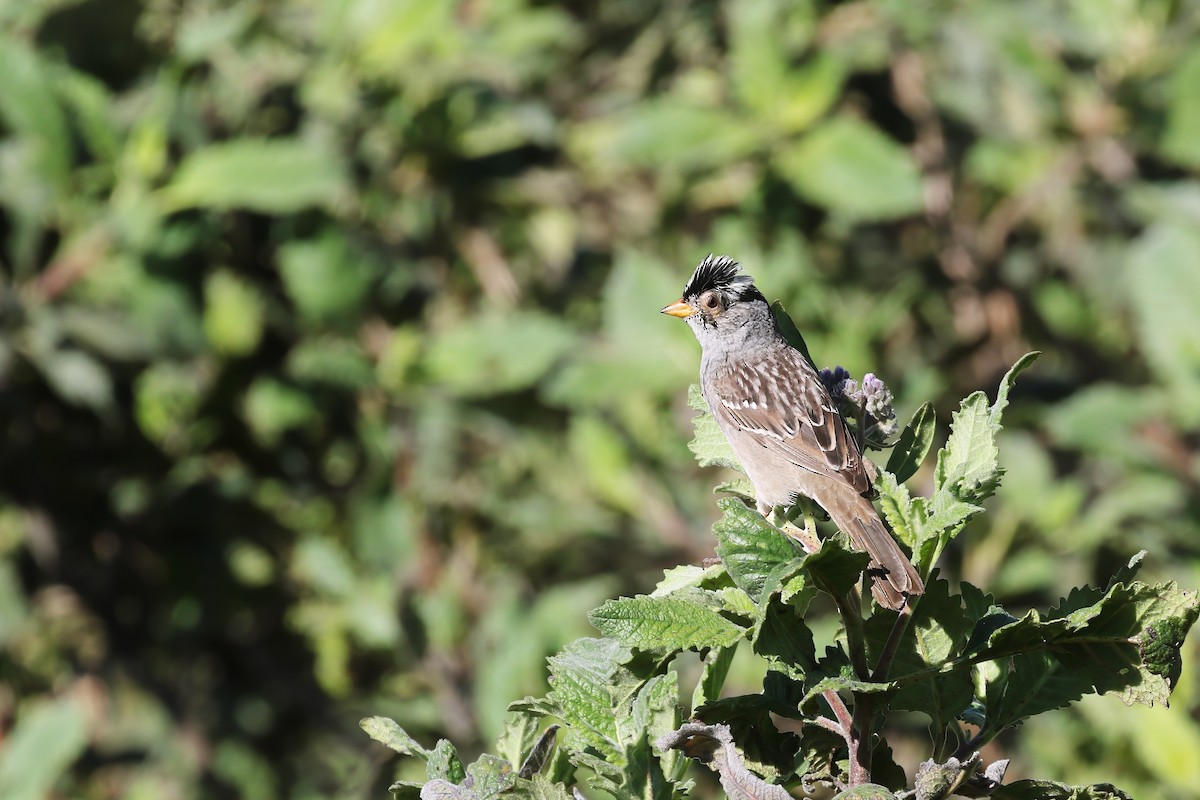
581,676
444,763
716,669
867,791
784,640
540,753
664,623
713,744
518,737
278,176
388,732
489,776
539,787
1051,790
1126,643
709,444
442,789
835,568
686,577
750,547
535,706
913,444
968,467
845,682
935,634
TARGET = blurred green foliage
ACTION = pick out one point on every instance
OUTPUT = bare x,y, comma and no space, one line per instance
332,381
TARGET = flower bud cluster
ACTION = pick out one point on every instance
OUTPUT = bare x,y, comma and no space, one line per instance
873,400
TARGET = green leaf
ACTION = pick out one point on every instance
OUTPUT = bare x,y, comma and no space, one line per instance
233,314
494,353
664,623
585,675
852,169
1164,288
1181,137
333,361
714,745
490,776
539,787
750,547
29,106
1050,790
40,749
709,445
278,176
913,444
843,682
76,377
689,576
789,331
1126,642
668,132
968,466
388,732
271,408
784,640
518,737
444,763
835,568
867,791
324,278
936,633
716,669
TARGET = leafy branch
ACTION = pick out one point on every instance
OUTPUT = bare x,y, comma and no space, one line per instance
959,657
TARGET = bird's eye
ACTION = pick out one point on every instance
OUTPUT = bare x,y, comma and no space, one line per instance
710,301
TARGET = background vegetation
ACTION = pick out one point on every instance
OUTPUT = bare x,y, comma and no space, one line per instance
332,381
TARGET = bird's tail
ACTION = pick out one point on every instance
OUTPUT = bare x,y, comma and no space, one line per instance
893,576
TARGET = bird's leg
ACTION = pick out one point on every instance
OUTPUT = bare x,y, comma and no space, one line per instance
783,517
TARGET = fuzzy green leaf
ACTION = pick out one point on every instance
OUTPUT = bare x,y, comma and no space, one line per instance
1126,643
750,547
913,444
490,776
388,732
968,467
712,679
936,633
444,763
538,787
835,568
582,675
664,623
784,640
1051,790
709,445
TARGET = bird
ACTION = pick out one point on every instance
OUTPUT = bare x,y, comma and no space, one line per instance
781,421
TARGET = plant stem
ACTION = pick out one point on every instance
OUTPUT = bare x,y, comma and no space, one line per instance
862,724
884,664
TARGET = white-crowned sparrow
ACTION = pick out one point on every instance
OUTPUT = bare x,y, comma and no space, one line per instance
780,420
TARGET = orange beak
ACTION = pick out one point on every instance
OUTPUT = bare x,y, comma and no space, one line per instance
679,309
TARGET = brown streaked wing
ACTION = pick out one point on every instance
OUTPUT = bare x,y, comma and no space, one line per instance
782,401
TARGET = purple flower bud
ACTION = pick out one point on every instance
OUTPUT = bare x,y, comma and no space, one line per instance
837,382
877,402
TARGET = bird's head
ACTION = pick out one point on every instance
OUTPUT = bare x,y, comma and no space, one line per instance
722,305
